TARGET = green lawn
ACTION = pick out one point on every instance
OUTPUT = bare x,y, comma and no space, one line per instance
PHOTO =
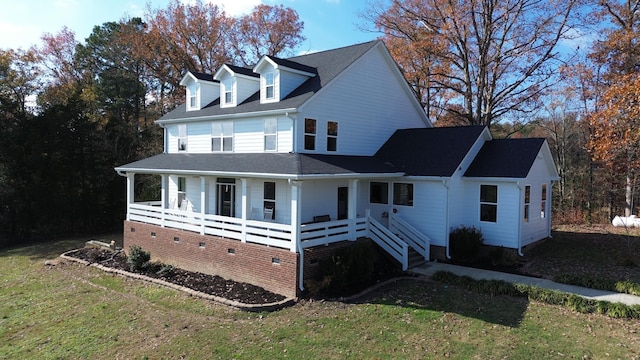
71,311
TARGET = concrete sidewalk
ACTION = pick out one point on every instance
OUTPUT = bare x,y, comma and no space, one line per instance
431,268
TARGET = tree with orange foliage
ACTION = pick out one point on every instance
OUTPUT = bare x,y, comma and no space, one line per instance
494,56
615,140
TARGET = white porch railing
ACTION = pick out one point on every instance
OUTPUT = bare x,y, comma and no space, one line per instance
417,240
387,240
395,241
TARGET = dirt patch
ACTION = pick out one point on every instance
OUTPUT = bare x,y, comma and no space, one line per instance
209,284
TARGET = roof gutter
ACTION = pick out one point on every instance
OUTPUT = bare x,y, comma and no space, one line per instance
122,171
227,116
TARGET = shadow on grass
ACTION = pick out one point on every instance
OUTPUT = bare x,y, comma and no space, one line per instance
421,294
48,249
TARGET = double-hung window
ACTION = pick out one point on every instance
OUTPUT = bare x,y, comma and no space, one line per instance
332,136
269,86
182,137
228,91
182,191
271,134
222,135
309,134
193,97
489,203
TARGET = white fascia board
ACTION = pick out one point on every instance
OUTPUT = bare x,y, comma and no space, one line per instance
257,175
228,116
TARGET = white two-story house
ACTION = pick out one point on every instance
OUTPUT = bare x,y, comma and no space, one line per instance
267,169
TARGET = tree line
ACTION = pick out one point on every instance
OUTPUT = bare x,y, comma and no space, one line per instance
73,110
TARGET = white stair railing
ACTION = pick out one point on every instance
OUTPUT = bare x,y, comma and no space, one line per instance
387,240
417,240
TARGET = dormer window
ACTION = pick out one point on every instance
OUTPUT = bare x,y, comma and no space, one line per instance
269,85
193,96
227,85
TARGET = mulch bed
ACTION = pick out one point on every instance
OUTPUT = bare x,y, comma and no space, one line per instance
209,284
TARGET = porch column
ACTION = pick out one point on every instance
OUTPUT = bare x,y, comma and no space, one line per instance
296,187
163,198
352,211
203,202
243,210
130,191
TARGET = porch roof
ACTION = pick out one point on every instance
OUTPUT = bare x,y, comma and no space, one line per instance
278,165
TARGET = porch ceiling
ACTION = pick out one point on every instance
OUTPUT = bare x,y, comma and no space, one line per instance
286,165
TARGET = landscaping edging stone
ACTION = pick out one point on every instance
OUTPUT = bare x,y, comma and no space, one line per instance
241,306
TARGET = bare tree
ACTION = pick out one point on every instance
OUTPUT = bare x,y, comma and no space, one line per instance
496,56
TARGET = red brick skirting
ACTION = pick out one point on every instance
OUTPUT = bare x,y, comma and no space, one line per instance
272,268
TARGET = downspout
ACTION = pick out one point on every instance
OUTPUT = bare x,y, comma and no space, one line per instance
519,219
446,220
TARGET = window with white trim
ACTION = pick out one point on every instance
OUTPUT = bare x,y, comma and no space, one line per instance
182,137
332,136
527,201
227,84
269,86
222,136
182,190
270,134
269,200
489,203
378,192
309,134
403,194
543,211
193,96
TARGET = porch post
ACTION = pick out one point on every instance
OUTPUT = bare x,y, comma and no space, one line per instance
130,191
203,202
243,210
163,198
295,214
352,211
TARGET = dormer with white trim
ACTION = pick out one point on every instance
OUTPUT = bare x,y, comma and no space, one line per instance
279,77
237,84
202,89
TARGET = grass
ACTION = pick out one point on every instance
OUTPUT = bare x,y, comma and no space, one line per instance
71,311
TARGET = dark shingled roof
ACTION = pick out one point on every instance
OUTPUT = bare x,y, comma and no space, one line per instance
505,158
293,65
242,70
262,163
429,151
328,64
203,76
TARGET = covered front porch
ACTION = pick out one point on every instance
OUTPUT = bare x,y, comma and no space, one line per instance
281,213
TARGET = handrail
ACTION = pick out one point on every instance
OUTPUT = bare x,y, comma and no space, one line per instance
417,240
387,240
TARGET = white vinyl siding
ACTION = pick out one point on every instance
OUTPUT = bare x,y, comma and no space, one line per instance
249,135
369,109
199,138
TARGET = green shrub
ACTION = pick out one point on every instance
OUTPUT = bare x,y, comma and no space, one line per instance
137,258
165,270
465,243
351,265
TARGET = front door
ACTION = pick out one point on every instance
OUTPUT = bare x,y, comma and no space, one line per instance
343,203
226,194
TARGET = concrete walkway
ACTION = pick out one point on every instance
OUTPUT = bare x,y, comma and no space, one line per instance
431,268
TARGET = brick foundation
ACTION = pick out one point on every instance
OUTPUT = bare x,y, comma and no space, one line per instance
272,268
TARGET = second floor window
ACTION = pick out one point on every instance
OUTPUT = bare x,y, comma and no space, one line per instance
269,88
182,137
222,136
332,136
309,134
271,134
